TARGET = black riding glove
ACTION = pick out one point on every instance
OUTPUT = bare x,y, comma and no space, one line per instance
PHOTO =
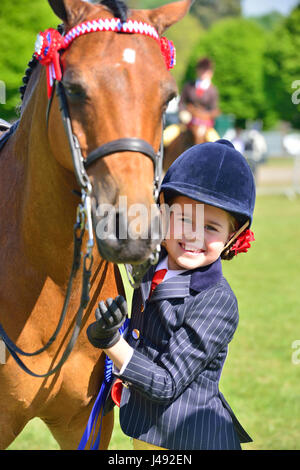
104,332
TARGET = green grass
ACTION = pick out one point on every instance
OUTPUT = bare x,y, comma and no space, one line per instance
279,161
259,379
36,436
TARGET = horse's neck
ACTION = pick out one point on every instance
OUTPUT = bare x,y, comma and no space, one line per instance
40,208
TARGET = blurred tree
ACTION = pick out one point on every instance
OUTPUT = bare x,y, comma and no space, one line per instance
237,47
282,69
146,3
20,22
206,11
209,11
185,34
270,20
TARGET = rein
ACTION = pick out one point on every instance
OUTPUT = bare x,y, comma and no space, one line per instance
48,46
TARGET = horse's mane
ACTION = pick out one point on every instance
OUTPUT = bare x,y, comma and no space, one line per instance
117,7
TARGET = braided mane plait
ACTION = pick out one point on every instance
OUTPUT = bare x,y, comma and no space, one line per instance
118,8
31,65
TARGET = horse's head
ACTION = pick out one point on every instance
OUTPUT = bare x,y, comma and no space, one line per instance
117,87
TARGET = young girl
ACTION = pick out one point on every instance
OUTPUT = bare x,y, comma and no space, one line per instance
171,360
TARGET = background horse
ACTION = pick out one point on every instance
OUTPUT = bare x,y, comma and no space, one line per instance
185,136
111,94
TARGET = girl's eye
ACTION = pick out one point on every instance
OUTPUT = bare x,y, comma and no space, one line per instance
210,227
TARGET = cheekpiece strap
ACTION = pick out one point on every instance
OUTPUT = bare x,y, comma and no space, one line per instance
50,42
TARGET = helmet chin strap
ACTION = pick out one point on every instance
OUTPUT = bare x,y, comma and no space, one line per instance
234,237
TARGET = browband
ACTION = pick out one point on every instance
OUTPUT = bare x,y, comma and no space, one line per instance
50,42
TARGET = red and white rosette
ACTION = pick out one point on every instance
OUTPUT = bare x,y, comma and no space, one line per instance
47,47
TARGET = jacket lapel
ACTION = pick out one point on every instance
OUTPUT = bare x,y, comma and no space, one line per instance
180,285
175,287
146,284
203,278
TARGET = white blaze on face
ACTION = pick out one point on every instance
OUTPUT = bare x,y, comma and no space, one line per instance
129,56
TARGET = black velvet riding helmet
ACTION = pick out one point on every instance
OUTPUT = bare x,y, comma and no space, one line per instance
213,173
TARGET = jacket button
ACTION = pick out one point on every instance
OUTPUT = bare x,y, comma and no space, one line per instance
135,334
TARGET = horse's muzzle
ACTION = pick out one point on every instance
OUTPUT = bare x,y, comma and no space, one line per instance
121,239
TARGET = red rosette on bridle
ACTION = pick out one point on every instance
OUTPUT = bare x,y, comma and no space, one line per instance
168,51
242,243
47,47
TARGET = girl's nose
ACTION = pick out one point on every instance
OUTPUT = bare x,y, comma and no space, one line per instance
190,236
195,237
193,233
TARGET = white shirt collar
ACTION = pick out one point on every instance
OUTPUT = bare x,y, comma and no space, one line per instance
163,264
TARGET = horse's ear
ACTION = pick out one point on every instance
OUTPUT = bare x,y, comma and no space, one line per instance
70,11
59,9
165,16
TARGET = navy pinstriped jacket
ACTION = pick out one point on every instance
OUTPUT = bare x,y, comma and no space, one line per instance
172,399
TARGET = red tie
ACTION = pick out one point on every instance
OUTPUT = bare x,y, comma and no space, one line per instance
116,390
157,279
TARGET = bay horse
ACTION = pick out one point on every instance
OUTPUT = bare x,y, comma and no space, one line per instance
116,88
185,136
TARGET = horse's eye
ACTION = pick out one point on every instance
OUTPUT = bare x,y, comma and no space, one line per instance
74,91
170,98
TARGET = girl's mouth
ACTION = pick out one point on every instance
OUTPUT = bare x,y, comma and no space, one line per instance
190,249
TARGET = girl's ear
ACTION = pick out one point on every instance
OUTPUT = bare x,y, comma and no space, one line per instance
231,236
235,234
230,239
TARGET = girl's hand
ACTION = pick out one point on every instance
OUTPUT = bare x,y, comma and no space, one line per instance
104,333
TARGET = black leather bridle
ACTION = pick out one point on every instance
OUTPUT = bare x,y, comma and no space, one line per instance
83,222
127,144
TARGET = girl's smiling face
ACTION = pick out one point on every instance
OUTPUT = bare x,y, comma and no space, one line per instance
197,234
